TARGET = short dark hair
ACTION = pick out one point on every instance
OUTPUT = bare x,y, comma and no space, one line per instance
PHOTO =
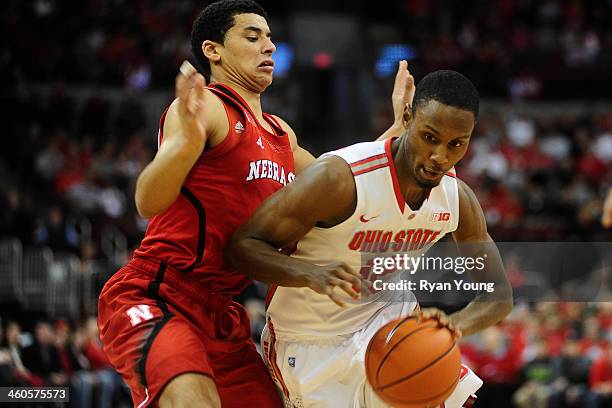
214,21
447,87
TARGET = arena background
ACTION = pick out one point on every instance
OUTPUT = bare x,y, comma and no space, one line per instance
84,83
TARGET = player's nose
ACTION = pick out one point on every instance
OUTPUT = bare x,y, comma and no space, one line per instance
439,156
269,47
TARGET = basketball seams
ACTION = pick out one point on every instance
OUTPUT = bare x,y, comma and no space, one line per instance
420,370
423,401
416,330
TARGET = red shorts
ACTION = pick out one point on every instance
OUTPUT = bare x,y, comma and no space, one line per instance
155,324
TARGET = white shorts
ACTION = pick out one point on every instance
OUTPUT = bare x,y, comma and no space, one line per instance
329,371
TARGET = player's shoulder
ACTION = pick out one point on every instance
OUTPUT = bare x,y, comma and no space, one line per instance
287,128
466,194
363,153
472,221
283,123
330,173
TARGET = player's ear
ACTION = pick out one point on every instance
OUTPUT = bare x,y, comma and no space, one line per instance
211,51
407,116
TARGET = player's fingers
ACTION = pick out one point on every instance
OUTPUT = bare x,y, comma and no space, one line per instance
410,89
330,292
454,331
399,86
184,84
349,278
345,286
196,94
343,266
425,314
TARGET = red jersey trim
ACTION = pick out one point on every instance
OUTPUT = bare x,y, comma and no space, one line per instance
278,129
369,169
401,203
201,227
270,295
272,359
231,139
368,159
235,96
451,174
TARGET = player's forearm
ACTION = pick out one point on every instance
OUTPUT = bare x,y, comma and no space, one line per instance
159,184
481,313
488,308
261,261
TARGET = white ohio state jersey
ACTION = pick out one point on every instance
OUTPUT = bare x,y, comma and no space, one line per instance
382,223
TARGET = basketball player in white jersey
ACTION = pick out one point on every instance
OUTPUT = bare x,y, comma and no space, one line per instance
349,201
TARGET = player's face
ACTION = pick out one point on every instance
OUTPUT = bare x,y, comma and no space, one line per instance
246,55
438,137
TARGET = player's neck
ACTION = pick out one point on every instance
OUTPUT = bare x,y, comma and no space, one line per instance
413,193
252,98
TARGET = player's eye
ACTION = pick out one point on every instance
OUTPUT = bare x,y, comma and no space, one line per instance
456,144
252,39
429,137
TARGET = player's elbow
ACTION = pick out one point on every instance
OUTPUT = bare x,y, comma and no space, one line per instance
144,211
146,207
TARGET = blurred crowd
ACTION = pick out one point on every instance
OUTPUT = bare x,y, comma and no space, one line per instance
67,180
69,162
541,179
510,47
546,355
57,354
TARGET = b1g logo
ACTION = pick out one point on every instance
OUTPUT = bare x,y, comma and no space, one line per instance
441,216
139,313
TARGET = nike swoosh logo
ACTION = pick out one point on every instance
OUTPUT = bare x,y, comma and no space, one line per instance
363,219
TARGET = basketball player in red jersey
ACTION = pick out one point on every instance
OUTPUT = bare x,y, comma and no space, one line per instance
167,319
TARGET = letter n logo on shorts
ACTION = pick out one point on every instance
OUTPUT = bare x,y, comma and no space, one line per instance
139,313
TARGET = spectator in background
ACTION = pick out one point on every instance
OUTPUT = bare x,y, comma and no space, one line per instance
592,344
6,363
43,359
13,332
571,375
100,370
600,382
74,365
537,376
496,360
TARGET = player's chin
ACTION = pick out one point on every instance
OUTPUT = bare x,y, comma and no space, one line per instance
264,80
428,183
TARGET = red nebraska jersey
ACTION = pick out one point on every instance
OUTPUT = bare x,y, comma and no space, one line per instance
222,190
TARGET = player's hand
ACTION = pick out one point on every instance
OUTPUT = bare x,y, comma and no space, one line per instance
606,217
191,110
403,91
324,279
442,318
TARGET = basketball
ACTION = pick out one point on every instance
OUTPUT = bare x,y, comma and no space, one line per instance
412,364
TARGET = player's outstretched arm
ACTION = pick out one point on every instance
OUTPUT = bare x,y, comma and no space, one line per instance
187,127
403,92
401,97
285,217
474,241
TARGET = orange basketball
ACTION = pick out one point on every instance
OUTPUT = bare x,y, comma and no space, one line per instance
413,364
